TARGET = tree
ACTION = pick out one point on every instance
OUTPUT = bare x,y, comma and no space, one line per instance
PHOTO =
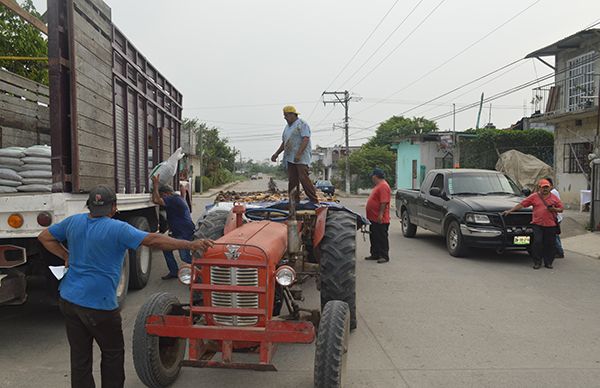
19,38
397,127
363,161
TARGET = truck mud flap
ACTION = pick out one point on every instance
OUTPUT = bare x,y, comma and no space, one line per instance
13,289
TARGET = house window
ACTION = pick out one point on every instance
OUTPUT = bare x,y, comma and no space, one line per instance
576,158
580,81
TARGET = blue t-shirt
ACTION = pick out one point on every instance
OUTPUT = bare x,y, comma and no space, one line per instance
97,247
292,139
178,217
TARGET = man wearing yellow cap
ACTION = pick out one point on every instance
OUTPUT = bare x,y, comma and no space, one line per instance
295,146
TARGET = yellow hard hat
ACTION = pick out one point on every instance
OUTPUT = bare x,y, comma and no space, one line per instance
290,109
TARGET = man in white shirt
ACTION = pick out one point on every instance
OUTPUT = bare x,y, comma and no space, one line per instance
560,253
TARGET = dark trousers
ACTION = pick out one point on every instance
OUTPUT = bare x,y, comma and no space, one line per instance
380,245
544,244
85,325
298,173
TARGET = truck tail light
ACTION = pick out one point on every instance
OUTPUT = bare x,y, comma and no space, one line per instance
44,219
15,220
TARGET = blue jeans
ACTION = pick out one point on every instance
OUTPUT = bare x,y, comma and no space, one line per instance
559,248
184,254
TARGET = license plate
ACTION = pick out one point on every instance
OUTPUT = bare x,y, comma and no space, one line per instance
522,240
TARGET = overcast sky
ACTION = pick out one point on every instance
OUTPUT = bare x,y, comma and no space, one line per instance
238,62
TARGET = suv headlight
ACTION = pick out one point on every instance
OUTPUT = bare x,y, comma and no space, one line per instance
285,275
474,218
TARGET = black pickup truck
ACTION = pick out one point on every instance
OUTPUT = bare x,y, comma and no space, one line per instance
465,207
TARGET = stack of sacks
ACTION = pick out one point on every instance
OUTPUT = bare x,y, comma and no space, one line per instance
10,166
36,169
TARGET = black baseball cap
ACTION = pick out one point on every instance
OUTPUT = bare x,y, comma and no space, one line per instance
101,200
378,173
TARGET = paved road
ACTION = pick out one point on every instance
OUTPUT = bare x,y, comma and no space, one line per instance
425,320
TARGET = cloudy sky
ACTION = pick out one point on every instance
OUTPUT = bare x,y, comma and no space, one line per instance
237,62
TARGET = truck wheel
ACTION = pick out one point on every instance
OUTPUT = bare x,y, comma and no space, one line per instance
338,261
332,345
212,226
140,260
157,360
123,285
454,240
408,229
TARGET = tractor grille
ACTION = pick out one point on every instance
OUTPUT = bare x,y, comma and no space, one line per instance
231,276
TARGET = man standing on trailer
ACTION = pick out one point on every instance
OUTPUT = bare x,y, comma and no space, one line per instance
88,292
179,220
296,147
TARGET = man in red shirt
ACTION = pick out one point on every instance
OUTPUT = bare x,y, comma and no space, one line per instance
378,213
546,206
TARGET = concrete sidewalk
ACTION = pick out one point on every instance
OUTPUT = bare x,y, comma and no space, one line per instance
215,190
587,244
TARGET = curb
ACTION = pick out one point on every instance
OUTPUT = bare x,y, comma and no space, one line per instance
215,190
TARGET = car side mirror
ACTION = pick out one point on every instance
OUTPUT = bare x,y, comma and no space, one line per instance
435,192
526,192
444,196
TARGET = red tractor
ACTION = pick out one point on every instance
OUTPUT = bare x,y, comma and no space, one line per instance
238,289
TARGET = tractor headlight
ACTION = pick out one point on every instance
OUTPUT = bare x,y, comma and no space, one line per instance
474,218
185,275
285,275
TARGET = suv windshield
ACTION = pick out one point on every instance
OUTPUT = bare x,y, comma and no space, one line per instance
481,184
324,183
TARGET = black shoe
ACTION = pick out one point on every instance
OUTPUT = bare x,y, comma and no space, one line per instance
371,258
549,266
382,260
537,266
559,256
169,276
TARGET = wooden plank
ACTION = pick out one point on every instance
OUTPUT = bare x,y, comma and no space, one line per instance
87,183
99,129
88,110
17,105
15,137
94,155
97,169
82,27
87,72
96,46
25,83
92,97
20,92
97,18
102,6
93,140
27,123
16,8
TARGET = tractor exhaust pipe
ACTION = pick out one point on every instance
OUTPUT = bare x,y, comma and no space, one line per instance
292,224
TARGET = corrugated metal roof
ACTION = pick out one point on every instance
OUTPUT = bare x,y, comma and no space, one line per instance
574,41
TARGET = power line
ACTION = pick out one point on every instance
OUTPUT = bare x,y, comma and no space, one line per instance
455,56
385,41
363,44
400,44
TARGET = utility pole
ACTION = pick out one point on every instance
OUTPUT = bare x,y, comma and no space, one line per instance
479,113
344,99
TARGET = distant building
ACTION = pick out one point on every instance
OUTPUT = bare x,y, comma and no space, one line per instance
570,105
326,158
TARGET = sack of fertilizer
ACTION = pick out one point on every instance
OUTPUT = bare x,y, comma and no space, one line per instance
36,174
36,160
35,188
166,169
12,152
35,181
42,151
10,161
7,189
32,167
10,175
6,182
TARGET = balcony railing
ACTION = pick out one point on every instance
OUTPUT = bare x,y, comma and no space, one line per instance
573,95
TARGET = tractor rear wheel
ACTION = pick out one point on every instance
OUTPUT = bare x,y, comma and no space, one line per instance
212,226
332,345
338,261
157,360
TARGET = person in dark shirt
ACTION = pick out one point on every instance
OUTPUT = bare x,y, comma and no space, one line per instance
179,220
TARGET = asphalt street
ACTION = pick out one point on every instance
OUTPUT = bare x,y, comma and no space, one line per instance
426,319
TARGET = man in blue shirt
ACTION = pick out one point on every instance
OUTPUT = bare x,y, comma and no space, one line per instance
296,147
179,220
88,292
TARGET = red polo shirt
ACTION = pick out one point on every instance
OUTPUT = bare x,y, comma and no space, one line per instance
541,215
380,194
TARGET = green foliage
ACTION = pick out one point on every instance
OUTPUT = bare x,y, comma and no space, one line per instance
397,127
363,161
19,38
482,151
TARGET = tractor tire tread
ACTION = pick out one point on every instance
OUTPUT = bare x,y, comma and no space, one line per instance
330,344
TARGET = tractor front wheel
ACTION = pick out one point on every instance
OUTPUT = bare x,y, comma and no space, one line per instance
332,345
157,360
